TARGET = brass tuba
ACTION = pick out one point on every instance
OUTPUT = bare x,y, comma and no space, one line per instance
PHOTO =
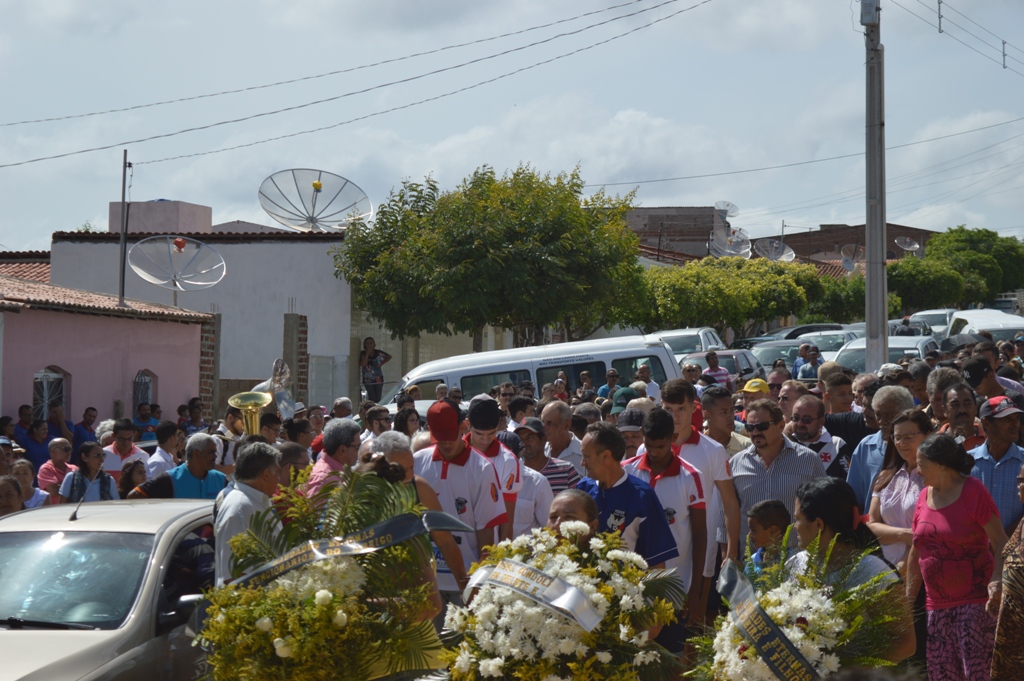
251,405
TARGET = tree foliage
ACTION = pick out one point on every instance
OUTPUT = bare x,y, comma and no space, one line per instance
843,300
1007,253
523,251
927,283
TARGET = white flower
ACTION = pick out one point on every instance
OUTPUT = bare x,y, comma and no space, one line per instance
491,667
571,529
264,624
323,597
597,544
604,657
644,656
340,619
641,639
464,661
221,617
283,647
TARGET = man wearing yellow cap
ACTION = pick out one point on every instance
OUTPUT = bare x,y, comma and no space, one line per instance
755,389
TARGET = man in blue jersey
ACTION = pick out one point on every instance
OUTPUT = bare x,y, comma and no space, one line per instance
194,479
625,503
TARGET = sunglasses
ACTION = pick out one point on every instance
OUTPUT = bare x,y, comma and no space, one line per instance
508,394
775,386
759,427
806,420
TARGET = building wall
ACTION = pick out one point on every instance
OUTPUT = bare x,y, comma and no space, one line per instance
264,281
161,217
102,355
829,239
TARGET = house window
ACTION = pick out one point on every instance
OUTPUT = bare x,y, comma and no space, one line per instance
48,386
143,390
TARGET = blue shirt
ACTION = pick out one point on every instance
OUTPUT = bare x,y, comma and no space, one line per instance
83,434
1000,479
54,431
632,507
179,483
147,429
92,492
605,390
865,463
20,434
36,452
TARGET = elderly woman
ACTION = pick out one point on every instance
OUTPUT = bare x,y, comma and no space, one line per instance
957,555
1008,654
90,482
10,495
25,472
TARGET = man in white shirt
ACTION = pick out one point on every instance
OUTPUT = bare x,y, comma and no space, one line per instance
226,436
562,443
163,460
484,422
257,468
653,390
123,450
377,421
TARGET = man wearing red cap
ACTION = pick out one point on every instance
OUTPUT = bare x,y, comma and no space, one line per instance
997,462
467,486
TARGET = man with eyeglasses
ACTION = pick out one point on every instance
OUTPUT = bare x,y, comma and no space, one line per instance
506,391
123,450
270,427
806,428
341,449
611,383
776,377
997,462
773,466
789,393
378,420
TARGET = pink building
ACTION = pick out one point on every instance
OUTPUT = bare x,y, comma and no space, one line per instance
85,350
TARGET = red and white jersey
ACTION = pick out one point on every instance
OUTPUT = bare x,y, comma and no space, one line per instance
533,504
508,466
113,462
468,488
679,488
711,459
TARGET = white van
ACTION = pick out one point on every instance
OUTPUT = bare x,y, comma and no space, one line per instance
1002,325
478,372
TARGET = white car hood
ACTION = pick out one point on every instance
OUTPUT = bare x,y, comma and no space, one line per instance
55,655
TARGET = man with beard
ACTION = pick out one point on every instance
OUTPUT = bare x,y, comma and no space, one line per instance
806,428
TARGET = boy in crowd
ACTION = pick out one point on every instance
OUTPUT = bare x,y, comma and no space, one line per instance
767,521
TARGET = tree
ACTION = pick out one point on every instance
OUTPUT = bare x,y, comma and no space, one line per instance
1007,252
980,265
843,300
923,284
524,252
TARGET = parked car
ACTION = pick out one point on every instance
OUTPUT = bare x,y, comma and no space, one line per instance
108,593
790,332
937,319
859,329
918,326
852,357
1003,326
742,365
828,342
747,343
478,372
769,351
683,341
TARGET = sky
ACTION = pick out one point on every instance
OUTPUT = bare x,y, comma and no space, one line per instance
632,92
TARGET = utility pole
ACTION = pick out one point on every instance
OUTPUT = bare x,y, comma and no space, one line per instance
876,297
125,165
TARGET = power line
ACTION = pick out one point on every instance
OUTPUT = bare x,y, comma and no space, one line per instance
321,75
1008,44
798,163
376,87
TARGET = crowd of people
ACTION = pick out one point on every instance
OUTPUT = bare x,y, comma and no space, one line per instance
919,463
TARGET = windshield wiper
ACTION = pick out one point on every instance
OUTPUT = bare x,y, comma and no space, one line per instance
19,623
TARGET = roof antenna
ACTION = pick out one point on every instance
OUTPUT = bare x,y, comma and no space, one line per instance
74,514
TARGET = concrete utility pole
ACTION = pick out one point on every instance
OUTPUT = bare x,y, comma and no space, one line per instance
125,165
876,299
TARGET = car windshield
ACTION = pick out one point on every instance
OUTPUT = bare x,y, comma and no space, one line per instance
727,362
999,335
935,319
85,578
767,354
853,358
827,343
681,344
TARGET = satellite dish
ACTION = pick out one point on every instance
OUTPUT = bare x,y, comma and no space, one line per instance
908,244
852,255
727,208
305,200
177,263
729,243
774,249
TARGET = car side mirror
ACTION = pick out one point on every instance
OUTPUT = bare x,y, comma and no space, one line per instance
165,621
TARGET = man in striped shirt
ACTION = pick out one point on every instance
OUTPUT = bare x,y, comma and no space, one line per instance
561,475
717,371
773,466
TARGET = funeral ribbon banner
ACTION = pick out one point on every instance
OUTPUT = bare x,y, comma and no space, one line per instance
553,593
770,642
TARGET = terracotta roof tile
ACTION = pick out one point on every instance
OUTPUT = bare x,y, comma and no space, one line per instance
23,294
36,271
205,237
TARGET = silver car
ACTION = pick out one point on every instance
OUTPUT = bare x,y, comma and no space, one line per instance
851,355
111,594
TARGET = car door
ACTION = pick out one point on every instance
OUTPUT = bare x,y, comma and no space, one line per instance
759,370
187,570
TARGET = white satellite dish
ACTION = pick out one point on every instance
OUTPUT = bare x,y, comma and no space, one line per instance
177,263
727,209
908,244
774,249
852,255
729,243
306,200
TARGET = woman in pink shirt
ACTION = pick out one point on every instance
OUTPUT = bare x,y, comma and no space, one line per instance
52,473
957,553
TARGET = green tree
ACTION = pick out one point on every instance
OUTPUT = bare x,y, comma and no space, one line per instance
523,251
1008,253
980,265
843,300
923,284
